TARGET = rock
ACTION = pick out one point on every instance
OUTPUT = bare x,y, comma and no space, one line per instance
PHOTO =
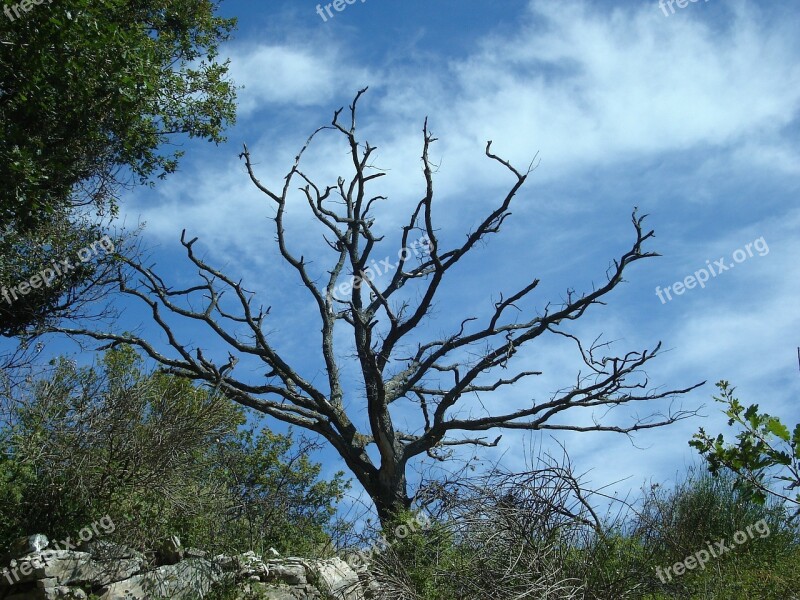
105,550
228,563
337,578
249,565
24,546
290,571
265,592
188,580
273,594
60,592
44,591
195,553
108,571
332,576
74,568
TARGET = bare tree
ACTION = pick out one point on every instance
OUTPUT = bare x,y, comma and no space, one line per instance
385,325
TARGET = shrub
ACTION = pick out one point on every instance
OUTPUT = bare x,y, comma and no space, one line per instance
160,457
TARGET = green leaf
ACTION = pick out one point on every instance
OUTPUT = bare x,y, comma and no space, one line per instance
775,427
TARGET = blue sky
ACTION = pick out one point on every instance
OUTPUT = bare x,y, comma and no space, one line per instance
692,117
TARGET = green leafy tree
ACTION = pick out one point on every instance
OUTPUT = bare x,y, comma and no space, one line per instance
276,495
765,457
91,94
90,90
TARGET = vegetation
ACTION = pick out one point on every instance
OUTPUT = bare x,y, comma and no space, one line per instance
766,456
160,457
91,91
163,457
500,537
56,291
93,95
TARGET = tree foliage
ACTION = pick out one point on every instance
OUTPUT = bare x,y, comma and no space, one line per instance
160,457
90,91
765,455
52,270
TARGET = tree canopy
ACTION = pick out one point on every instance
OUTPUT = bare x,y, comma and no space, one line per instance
90,90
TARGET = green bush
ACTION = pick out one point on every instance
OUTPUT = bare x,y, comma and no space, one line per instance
702,510
160,457
765,457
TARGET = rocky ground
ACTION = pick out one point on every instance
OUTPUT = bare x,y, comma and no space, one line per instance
107,571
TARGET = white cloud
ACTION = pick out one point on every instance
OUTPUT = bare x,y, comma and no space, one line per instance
587,86
274,75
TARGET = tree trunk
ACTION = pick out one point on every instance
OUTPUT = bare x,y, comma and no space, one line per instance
389,493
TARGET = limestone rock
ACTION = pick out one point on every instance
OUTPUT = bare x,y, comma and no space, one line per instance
105,550
27,545
195,553
290,571
188,580
111,571
337,577
250,565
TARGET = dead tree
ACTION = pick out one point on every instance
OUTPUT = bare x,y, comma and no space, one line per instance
396,368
